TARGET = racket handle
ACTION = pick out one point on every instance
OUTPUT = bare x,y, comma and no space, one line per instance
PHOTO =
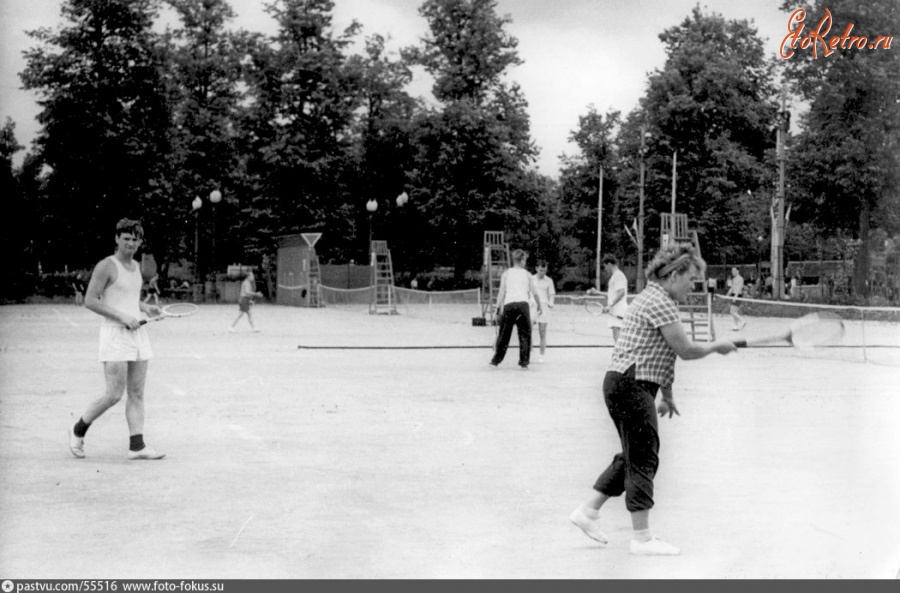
740,343
143,322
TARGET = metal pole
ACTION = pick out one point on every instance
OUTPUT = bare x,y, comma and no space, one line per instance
197,246
778,210
674,181
599,225
639,281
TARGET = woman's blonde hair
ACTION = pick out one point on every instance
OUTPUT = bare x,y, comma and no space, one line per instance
677,258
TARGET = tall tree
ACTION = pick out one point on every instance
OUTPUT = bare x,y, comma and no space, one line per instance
474,148
580,185
303,101
713,103
383,150
845,165
19,236
205,74
104,119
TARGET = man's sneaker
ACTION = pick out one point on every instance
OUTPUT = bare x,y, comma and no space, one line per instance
541,360
590,527
524,367
76,444
653,547
146,453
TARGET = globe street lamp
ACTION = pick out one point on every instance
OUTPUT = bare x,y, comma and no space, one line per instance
215,196
371,206
195,207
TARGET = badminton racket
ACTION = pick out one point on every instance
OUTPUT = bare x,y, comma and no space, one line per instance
809,331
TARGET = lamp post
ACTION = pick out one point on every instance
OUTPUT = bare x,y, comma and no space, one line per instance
599,226
759,250
215,196
639,281
195,207
371,206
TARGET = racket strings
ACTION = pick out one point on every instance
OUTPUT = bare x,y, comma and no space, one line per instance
179,309
817,329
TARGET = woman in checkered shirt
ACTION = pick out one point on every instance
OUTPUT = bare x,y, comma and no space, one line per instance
643,361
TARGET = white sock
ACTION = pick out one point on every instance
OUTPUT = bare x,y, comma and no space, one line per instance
590,513
643,535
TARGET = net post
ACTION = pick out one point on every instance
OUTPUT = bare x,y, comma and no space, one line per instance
862,320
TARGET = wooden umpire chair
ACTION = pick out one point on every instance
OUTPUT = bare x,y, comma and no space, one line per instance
696,313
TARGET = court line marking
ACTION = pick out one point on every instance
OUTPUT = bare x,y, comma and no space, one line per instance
73,324
241,530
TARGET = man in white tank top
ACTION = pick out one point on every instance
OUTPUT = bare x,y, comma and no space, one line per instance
114,292
516,286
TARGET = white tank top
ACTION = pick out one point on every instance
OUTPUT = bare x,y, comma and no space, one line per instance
125,293
518,286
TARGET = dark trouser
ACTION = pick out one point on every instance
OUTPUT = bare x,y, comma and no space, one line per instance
519,315
631,407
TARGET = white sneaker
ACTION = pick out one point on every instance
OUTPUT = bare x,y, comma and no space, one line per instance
145,453
76,444
231,329
590,527
541,360
653,547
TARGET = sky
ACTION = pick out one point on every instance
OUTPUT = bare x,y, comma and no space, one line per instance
576,53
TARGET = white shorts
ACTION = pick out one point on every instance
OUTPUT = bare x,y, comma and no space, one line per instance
616,321
118,343
544,316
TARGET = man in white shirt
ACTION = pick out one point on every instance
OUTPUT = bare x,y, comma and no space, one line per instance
616,295
736,290
516,286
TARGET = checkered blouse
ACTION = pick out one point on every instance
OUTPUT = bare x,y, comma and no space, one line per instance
641,343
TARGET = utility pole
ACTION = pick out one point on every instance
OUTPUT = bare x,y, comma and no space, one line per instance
599,225
674,185
639,281
783,123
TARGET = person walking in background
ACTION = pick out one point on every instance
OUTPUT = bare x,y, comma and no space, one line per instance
735,290
114,292
546,292
616,295
516,287
79,287
245,301
153,290
643,361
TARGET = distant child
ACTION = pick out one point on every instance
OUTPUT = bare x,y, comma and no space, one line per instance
153,290
79,286
245,301
543,285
